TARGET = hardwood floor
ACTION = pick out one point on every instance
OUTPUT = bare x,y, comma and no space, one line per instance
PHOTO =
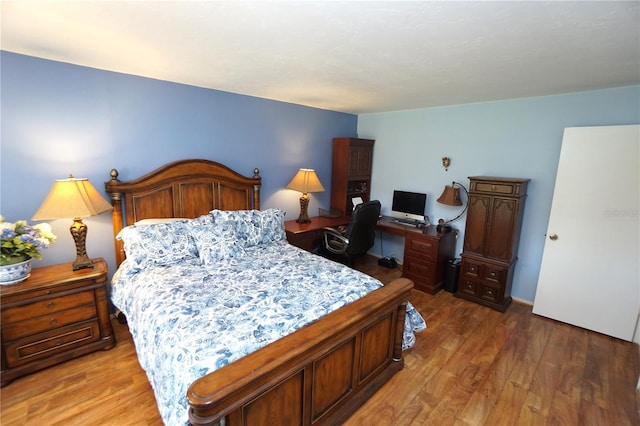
472,366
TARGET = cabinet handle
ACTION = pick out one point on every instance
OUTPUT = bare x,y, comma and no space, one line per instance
553,237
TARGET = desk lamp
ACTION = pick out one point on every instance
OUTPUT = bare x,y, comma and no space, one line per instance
74,198
305,181
451,197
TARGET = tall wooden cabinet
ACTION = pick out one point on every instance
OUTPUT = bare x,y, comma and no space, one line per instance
351,172
492,236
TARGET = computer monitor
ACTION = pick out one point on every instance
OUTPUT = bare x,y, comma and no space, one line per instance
409,205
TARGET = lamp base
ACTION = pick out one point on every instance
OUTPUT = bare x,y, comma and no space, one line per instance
304,206
79,233
82,262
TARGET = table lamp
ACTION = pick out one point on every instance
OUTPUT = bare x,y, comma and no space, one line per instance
305,181
74,198
451,197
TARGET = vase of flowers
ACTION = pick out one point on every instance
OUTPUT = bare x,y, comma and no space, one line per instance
19,243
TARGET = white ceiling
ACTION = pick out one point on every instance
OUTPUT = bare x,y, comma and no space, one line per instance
350,56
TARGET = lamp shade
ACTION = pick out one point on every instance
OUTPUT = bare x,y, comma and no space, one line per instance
306,181
450,196
71,198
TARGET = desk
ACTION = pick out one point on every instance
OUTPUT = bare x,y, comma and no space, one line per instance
426,251
307,236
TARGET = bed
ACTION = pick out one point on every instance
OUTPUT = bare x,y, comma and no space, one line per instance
307,350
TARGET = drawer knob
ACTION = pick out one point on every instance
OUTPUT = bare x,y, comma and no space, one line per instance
58,342
493,187
50,305
53,321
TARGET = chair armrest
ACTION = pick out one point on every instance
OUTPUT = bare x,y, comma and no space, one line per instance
334,241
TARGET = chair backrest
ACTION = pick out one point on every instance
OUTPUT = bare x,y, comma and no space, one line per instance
361,230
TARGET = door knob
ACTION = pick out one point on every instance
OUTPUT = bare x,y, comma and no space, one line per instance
553,237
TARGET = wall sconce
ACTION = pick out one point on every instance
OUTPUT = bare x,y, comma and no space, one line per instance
446,161
451,197
305,181
75,198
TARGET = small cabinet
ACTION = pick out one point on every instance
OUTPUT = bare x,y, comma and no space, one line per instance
492,236
350,172
55,315
425,255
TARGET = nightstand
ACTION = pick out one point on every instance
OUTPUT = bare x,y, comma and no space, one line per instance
56,315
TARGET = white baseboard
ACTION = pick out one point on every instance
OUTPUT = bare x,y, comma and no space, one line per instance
523,301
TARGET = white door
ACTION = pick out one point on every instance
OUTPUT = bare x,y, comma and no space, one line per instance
589,275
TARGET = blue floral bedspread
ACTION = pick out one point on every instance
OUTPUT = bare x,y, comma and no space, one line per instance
189,319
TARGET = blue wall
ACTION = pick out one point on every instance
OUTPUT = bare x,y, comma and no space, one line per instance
514,138
59,119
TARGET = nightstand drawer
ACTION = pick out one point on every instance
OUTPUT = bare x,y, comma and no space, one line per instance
47,306
48,344
47,322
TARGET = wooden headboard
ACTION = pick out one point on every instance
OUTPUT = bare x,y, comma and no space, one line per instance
185,188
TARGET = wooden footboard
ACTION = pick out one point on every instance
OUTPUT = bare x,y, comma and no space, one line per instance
318,375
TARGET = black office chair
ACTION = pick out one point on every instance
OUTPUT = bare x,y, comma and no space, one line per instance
357,238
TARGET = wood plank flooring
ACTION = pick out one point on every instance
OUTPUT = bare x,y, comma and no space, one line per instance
472,366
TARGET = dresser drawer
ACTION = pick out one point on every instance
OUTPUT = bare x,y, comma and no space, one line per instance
470,269
494,274
496,186
469,286
51,343
421,247
46,306
52,321
490,292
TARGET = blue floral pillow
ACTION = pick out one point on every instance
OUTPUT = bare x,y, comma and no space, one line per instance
253,227
270,222
159,244
216,242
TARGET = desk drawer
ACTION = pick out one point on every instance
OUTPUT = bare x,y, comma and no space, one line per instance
421,246
51,343
420,272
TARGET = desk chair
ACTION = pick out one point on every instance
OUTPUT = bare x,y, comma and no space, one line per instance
357,238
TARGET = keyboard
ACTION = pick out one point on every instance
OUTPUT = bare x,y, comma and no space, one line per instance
406,222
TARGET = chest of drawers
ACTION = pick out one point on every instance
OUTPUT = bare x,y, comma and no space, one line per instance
426,252
56,315
492,236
